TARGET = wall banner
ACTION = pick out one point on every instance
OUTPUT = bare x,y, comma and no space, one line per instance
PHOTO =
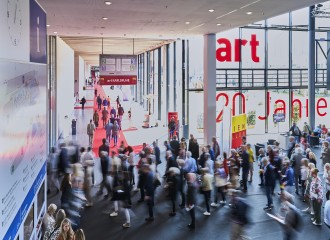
238,130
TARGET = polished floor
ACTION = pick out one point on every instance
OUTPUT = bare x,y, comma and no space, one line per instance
97,223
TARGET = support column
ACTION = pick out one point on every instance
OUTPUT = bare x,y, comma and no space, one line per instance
311,68
159,85
209,88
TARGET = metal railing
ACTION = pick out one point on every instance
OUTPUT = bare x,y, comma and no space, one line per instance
272,78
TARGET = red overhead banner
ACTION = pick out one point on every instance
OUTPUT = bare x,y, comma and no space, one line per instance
118,80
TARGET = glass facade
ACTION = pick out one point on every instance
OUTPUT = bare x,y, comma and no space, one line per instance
262,70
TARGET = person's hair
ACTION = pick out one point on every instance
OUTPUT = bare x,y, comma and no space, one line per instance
326,143
104,140
129,149
261,151
298,150
311,165
312,155
89,148
325,166
315,171
69,232
188,154
224,154
52,208
79,235
60,215
82,149
77,170
304,162
265,160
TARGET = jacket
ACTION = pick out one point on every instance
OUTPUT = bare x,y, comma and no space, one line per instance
269,176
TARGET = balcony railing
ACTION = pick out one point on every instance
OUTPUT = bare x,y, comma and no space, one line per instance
272,78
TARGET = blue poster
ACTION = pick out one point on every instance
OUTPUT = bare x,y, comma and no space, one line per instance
38,33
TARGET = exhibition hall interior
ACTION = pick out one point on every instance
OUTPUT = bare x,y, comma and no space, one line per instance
164,119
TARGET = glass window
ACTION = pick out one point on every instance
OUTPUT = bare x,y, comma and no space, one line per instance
253,53
226,41
280,20
196,46
278,49
255,107
300,18
299,49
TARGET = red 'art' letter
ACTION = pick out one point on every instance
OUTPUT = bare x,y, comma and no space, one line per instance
254,43
238,44
223,54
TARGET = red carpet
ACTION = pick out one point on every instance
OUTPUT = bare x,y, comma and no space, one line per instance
100,131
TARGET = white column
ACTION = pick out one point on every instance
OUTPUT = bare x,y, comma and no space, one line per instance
209,88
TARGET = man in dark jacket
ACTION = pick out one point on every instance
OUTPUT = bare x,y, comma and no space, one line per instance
104,147
269,182
157,153
150,191
99,102
83,102
105,161
245,167
194,149
175,146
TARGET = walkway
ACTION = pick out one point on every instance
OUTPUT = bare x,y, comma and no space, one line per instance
97,223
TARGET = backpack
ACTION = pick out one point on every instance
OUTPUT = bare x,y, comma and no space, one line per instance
296,131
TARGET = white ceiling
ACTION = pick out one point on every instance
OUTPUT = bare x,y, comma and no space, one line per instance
152,19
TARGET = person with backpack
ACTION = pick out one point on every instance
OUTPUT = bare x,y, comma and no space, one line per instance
295,131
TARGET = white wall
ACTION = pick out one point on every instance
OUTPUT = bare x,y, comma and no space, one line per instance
79,75
65,86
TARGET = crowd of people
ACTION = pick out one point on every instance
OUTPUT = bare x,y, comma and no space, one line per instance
221,178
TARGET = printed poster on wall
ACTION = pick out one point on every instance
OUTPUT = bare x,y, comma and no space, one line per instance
238,130
23,141
118,69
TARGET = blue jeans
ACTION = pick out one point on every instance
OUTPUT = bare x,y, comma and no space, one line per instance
115,138
269,195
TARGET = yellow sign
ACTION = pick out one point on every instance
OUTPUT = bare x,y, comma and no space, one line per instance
238,123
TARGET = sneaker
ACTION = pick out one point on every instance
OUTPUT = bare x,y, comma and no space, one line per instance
312,213
126,225
214,204
312,219
317,224
268,208
305,210
223,202
114,214
207,213
89,205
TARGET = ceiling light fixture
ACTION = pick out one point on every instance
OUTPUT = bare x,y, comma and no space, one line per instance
218,24
47,25
248,13
55,32
107,3
196,26
211,10
104,18
249,4
227,14
187,22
